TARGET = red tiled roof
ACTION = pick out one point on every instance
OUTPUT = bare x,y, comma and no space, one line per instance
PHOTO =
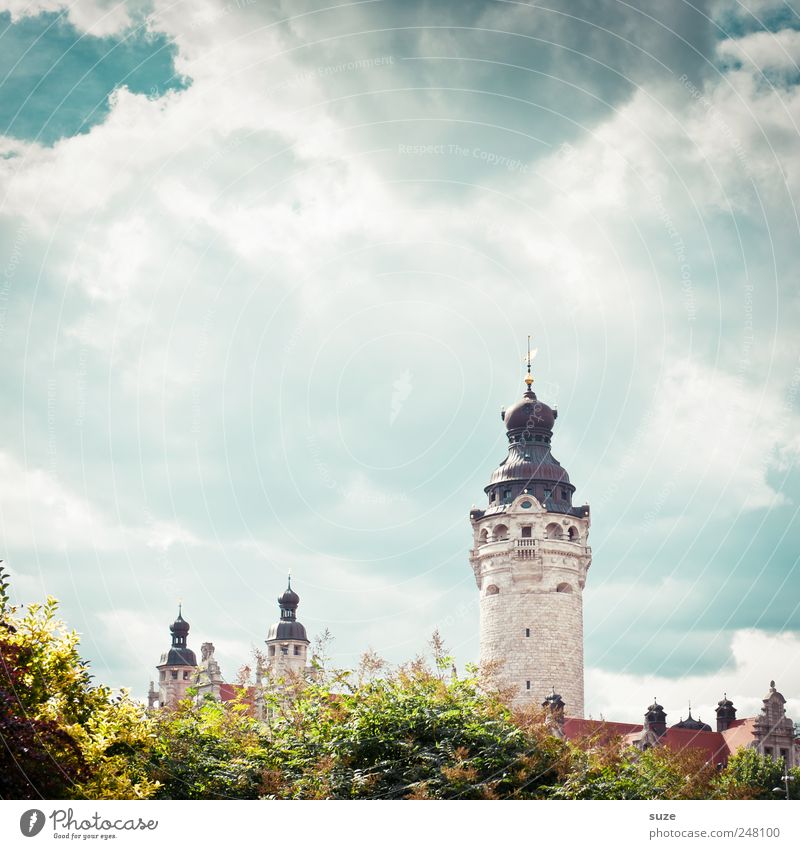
576,729
718,746
711,743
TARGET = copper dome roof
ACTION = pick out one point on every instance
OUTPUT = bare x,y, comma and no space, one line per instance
529,462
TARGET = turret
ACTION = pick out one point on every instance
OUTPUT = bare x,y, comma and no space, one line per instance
178,665
287,643
726,713
530,558
655,720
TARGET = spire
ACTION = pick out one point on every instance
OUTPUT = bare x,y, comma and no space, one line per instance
288,628
529,376
288,602
179,654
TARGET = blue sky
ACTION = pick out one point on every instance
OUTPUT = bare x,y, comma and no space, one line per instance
267,276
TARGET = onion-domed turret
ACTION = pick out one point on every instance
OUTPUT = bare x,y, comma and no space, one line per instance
179,654
529,466
726,713
655,719
288,628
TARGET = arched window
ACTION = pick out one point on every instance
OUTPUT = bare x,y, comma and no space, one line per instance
483,538
574,534
492,590
553,531
500,532
564,588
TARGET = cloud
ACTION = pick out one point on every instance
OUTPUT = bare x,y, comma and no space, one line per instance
38,511
765,51
97,17
758,657
247,266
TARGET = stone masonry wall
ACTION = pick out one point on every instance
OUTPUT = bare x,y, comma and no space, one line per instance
532,585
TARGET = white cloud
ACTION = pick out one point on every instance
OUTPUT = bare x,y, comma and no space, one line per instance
38,511
97,17
765,51
709,430
758,657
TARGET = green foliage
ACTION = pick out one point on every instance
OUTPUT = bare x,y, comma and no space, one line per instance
211,751
408,734
62,736
750,775
613,771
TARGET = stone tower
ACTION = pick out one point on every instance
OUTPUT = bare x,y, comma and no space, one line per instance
530,558
177,669
287,643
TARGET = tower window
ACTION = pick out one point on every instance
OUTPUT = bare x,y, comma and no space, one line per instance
526,530
272,651
186,675
767,751
527,685
284,649
527,632
506,493
162,675
548,493
297,650
564,494
174,674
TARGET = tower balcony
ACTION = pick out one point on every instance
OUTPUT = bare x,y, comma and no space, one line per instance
525,548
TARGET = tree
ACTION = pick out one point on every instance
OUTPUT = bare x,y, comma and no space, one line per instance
411,733
750,775
62,737
615,771
209,751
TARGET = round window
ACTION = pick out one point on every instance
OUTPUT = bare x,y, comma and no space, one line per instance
526,505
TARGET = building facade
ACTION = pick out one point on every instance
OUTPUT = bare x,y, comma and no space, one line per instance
530,557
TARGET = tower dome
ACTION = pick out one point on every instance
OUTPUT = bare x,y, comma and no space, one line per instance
288,628
726,713
179,653
692,724
529,465
528,417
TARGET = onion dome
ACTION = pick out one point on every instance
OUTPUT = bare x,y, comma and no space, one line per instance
726,713
290,599
655,719
288,628
179,653
554,702
529,417
692,724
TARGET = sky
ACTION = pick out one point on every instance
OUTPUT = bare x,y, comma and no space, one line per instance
267,272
